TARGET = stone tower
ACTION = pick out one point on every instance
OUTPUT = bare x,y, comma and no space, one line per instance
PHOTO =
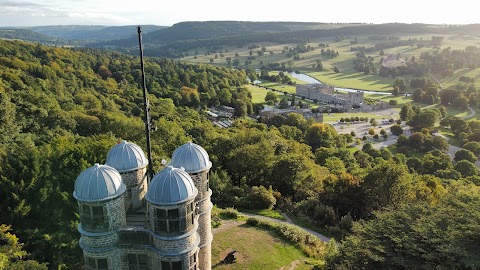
173,219
166,224
99,191
129,160
195,161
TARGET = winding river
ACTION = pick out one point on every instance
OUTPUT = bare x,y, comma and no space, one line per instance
310,79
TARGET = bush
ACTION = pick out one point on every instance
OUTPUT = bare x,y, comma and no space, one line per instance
229,213
396,129
393,102
259,198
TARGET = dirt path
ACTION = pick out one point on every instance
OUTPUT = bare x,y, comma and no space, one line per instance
292,266
289,221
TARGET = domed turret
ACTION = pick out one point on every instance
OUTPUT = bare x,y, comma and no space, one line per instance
129,159
196,162
171,186
98,183
126,156
192,157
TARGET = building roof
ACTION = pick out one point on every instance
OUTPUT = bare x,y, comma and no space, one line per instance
126,156
192,157
171,186
98,183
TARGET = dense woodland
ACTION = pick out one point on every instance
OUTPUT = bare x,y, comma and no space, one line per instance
62,110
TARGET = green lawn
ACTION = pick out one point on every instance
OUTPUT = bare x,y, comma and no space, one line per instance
279,86
256,249
334,117
258,93
265,212
386,98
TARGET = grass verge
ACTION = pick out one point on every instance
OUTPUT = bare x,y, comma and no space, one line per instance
265,212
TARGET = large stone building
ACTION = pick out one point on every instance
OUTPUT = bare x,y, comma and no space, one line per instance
327,94
129,222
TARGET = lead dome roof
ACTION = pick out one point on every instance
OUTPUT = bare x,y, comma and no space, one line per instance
98,183
171,186
192,157
126,156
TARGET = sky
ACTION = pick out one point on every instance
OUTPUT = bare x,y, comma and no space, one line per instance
169,12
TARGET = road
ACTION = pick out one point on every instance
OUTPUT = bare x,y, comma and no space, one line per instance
453,149
289,221
472,113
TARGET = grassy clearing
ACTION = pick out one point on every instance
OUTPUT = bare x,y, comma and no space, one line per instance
256,248
386,98
335,117
265,212
258,93
279,86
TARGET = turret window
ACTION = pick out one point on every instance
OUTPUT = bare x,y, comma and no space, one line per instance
96,263
93,217
137,261
172,265
175,220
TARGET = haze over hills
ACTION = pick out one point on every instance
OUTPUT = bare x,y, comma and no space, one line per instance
26,34
93,32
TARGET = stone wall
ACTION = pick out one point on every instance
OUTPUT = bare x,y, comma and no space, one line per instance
200,181
99,241
176,245
116,212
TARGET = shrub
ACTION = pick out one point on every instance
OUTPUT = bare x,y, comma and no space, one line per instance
229,213
393,102
259,198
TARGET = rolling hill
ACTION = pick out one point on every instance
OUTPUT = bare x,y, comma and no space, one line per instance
93,32
27,35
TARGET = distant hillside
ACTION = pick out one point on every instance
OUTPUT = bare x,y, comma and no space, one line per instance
93,32
217,29
27,35
174,41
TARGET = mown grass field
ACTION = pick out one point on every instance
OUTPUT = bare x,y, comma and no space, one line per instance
256,249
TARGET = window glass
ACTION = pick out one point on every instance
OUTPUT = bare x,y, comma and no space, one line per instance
166,266
177,265
172,213
102,263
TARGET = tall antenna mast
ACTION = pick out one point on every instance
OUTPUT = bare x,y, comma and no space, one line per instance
146,109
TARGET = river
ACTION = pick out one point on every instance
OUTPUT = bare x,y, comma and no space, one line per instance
310,79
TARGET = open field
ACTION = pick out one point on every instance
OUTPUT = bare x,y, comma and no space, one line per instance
378,115
256,249
279,86
348,76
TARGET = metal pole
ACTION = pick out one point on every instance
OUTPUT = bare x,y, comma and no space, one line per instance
145,103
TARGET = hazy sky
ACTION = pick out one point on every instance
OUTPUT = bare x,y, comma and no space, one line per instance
168,12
